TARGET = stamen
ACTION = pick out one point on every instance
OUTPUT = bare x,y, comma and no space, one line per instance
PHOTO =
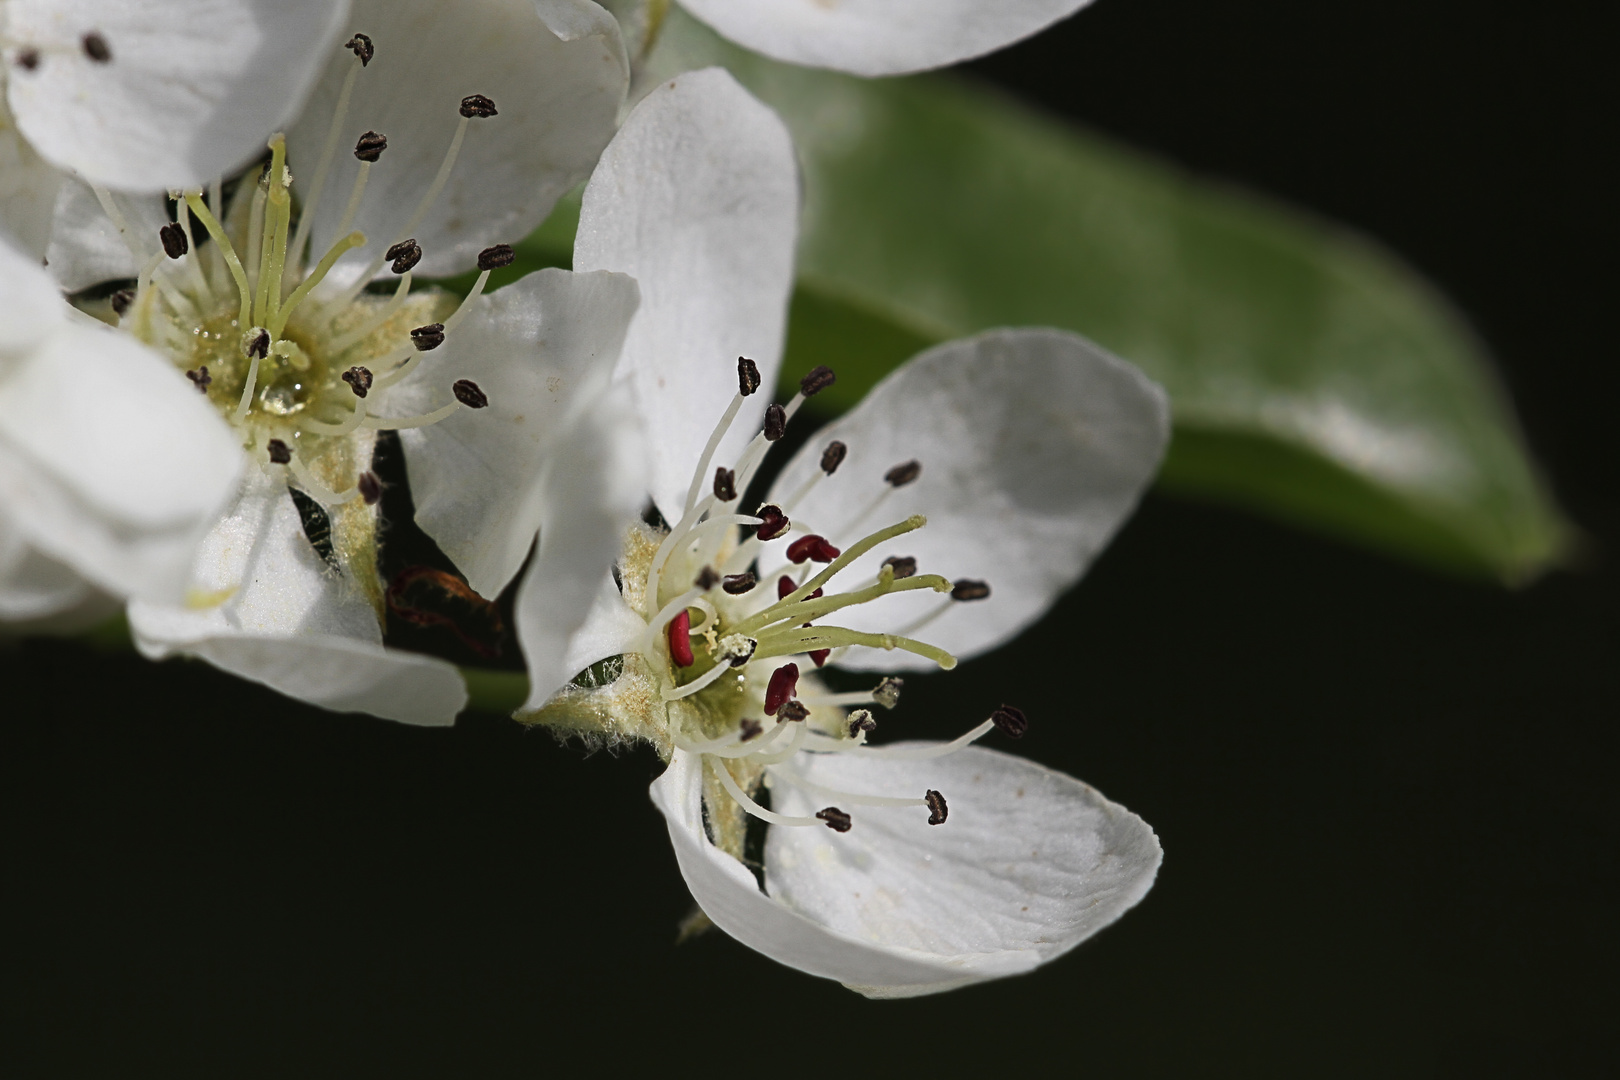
729,782
775,422
477,105
967,589
816,380
116,216
855,551
836,819
679,634
95,47
363,51
429,337
725,484
193,264
359,380
812,547
404,255
747,376
255,233
784,682
903,474
222,242
773,522
493,258
370,146
279,454
400,423
257,347
273,253
737,584
715,436
702,682
357,192
906,753
174,240
1010,721
937,810
339,249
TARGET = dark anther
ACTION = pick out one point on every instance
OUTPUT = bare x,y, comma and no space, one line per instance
1010,721
258,344
937,810
747,376
28,59
783,685
887,692
860,720
737,584
812,547
833,456
775,422
792,710
200,378
901,475
468,394
359,380
477,105
706,580
279,454
370,146
174,240
773,524
836,819
370,488
362,47
818,379
95,47
904,565
493,258
750,729
405,255
429,337
121,300
819,656
970,590
725,484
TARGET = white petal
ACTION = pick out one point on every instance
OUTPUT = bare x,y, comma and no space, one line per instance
541,349
557,74
610,629
1035,446
30,307
698,199
595,480
192,90
86,248
728,895
27,190
264,606
879,37
1028,864
33,585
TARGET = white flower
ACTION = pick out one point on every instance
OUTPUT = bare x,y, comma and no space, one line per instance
502,400
863,37
1010,458
145,95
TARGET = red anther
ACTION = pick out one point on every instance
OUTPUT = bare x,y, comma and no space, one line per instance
824,552
773,522
820,656
783,685
785,587
800,549
680,641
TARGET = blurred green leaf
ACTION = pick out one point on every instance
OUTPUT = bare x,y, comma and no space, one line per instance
1314,375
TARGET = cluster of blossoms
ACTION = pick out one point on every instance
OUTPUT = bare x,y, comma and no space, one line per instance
172,441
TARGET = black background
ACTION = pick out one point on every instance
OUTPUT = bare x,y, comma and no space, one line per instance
1385,797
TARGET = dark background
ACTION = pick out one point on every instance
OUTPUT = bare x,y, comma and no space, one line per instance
1386,798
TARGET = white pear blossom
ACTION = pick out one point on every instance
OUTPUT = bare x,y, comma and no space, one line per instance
862,37
937,520
433,132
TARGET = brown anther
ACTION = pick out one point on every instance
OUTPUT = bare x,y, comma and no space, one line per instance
429,337
95,47
258,344
370,488
773,524
967,589
793,710
937,810
468,393
901,475
1010,721
405,255
836,819
359,380
279,454
477,105
860,720
121,300
370,146
887,692
28,59
493,258
750,729
816,380
747,376
904,566
833,456
174,240
737,584
706,580
725,484
200,378
362,47
737,650
775,422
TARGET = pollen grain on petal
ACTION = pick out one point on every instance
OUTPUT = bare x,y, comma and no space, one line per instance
95,47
